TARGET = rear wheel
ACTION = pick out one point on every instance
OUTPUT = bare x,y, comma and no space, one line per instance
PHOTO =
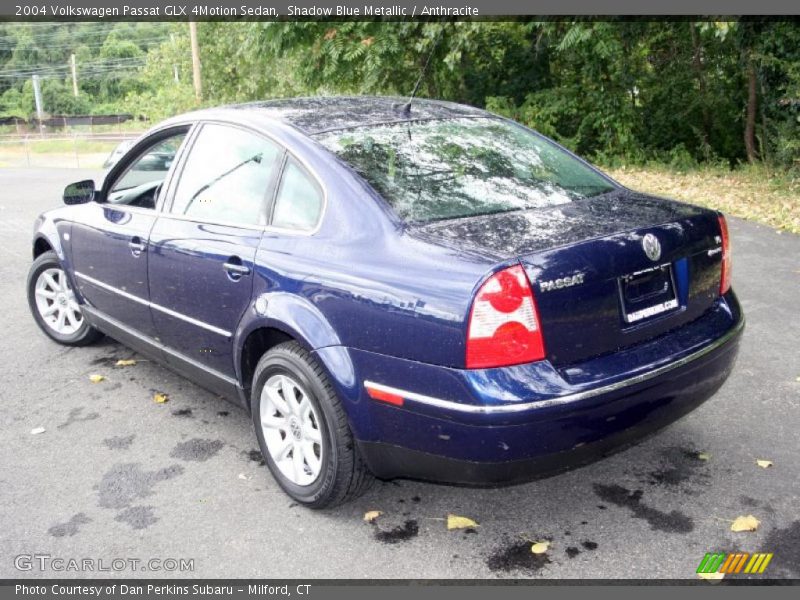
53,304
302,430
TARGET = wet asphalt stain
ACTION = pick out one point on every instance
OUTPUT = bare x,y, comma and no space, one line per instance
681,466
672,522
138,517
517,556
785,545
183,412
223,413
76,416
197,450
69,528
119,442
589,545
105,361
416,499
401,533
748,501
255,456
572,552
127,482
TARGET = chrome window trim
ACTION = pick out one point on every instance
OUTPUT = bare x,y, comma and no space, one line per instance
153,305
301,161
576,397
161,209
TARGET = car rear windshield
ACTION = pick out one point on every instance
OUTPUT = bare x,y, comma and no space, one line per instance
446,169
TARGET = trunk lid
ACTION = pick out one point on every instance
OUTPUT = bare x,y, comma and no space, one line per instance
596,288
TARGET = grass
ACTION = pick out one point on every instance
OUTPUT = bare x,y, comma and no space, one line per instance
61,153
81,146
755,193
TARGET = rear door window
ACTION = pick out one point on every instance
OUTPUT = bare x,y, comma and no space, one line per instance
227,176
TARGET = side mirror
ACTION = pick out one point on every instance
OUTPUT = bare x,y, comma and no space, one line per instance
80,192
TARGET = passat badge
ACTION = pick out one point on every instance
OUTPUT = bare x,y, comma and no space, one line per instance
564,282
652,247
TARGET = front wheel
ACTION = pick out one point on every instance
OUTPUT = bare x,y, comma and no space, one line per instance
53,304
302,430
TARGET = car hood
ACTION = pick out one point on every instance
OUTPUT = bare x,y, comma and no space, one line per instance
518,233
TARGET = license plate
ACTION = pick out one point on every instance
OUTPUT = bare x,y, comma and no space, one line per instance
647,293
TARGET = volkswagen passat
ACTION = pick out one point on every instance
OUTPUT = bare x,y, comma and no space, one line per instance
416,290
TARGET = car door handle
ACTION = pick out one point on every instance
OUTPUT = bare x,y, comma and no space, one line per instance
137,246
236,270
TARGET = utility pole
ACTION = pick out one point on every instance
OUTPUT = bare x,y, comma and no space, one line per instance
198,84
74,67
174,66
37,96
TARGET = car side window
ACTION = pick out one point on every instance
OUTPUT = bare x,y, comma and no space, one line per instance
140,183
298,204
226,176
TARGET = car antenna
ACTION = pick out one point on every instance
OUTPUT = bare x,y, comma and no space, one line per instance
406,108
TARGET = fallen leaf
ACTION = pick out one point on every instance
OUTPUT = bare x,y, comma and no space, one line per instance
371,515
748,523
160,398
540,547
96,378
245,477
764,464
37,430
703,456
125,362
456,522
711,576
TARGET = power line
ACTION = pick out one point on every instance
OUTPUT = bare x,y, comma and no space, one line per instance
77,45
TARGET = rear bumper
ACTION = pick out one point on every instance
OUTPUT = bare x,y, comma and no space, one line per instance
489,443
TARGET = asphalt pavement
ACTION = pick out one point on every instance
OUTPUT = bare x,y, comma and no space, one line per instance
118,476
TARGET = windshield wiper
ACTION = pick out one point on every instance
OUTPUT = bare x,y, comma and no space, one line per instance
256,158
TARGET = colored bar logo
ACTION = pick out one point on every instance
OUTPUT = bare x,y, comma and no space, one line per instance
731,564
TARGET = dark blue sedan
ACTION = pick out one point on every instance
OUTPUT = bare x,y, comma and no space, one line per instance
415,290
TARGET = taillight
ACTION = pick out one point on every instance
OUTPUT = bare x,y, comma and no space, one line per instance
725,279
504,327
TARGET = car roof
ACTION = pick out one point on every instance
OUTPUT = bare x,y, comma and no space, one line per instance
315,115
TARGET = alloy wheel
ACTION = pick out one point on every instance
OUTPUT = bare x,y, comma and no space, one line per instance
56,302
291,428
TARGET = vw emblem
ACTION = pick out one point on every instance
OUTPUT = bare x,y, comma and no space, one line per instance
652,247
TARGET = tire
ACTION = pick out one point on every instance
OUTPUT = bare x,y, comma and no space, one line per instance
330,471
49,292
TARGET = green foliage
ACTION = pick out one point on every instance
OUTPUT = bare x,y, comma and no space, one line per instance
614,90
108,57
